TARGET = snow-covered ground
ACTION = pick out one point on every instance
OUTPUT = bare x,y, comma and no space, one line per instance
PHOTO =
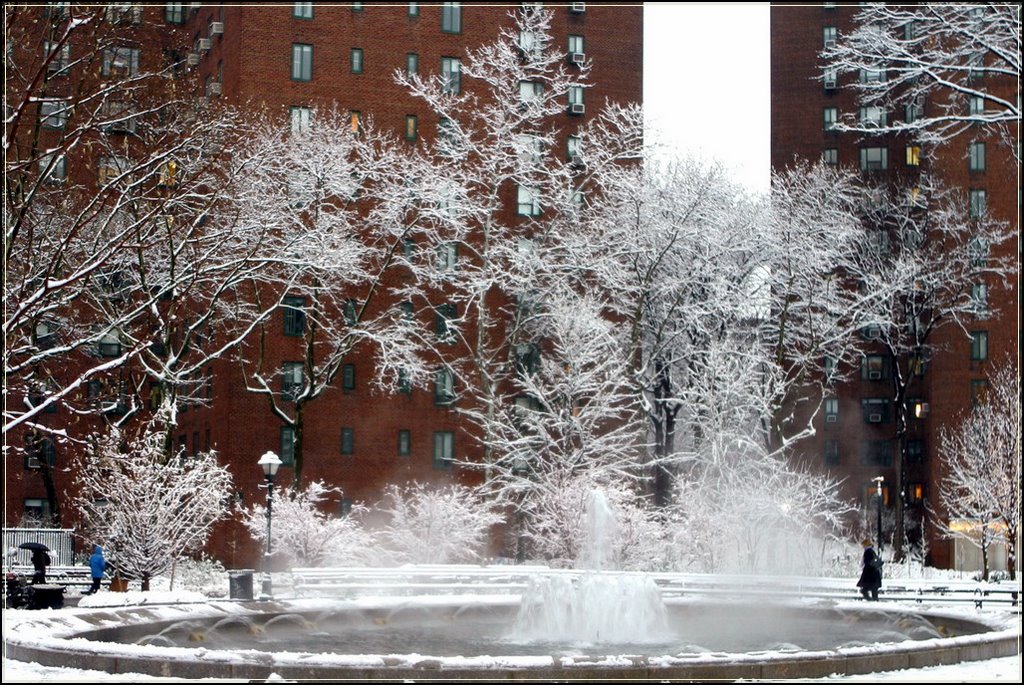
1007,669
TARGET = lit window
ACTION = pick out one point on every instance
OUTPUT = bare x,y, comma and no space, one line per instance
355,121
302,62
411,127
913,155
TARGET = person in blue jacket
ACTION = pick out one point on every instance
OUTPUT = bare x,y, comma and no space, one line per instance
97,565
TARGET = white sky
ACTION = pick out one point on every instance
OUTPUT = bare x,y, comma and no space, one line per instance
707,85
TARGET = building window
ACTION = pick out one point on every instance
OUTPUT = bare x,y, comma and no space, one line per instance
444,386
576,99
875,409
357,60
302,62
874,158
404,382
912,112
915,493
528,201
348,377
109,344
301,119
451,75
447,256
355,121
120,62
979,346
831,410
348,438
917,408
294,315
976,157
874,367
876,453
830,156
302,10
444,449
831,453
287,446
404,443
828,36
976,105
574,149
412,63
979,299
291,380
916,365
830,116
979,203
451,17
872,76
174,12
36,509
576,52
414,9
530,91
59,62
979,392
915,451
411,127
350,310
53,168
913,155
444,317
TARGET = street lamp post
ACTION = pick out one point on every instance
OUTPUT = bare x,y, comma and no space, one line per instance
520,469
878,492
269,462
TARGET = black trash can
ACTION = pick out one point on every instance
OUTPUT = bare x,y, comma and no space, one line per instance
240,583
45,596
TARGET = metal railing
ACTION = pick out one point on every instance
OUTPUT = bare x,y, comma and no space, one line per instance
61,542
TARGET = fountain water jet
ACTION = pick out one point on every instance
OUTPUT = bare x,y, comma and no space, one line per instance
596,607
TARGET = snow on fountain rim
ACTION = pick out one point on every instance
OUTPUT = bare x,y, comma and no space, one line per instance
55,630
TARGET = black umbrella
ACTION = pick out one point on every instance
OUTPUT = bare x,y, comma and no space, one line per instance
34,545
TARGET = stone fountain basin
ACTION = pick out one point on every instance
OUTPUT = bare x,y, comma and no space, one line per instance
243,640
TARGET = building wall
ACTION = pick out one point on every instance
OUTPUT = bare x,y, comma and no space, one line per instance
799,98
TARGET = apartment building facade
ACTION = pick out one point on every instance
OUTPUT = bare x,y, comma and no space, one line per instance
287,61
856,434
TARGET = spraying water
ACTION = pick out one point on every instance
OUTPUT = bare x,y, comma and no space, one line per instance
598,606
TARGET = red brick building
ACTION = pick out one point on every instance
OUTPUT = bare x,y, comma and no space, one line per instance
803,105
286,60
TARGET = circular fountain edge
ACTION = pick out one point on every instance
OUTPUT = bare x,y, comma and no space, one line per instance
65,646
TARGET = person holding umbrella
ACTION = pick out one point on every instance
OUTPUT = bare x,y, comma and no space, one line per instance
40,560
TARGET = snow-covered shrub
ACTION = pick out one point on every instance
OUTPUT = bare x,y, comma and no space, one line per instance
305,535
429,525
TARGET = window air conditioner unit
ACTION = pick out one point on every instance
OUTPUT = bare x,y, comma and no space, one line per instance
194,6
576,160
203,44
193,59
830,83
213,88
576,108
829,44
216,28
33,463
831,418
875,375
874,418
578,7
577,58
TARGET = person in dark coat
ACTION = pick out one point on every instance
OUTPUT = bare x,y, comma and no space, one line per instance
97,565
40,560
871,573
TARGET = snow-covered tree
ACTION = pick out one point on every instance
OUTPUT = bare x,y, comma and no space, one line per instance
146,510
981,489
305,535
942,69
436,525
928,263
338,186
